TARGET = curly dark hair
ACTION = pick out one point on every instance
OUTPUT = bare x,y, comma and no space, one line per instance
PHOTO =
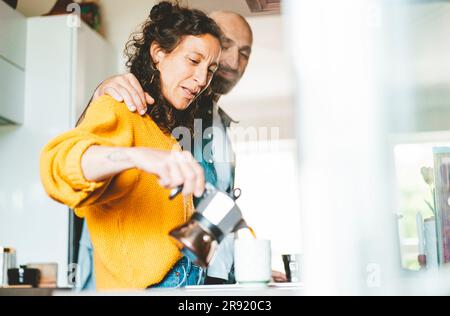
166,25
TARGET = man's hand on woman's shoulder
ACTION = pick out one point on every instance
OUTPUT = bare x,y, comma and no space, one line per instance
125,88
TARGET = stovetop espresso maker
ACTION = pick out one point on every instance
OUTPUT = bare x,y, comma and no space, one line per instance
216,216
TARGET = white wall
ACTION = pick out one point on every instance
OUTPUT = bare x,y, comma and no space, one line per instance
267,174
418,78
264,96
120,19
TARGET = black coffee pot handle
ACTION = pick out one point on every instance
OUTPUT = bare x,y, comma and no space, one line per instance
175,191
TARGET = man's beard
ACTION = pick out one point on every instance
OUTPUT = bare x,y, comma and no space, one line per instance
220,85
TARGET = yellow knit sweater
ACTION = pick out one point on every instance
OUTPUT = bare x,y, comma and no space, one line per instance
129,216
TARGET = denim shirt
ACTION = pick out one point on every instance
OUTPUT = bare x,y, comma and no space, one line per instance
219,173
214,124
86,262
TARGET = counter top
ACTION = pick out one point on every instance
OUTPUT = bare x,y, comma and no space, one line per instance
26,291
272,289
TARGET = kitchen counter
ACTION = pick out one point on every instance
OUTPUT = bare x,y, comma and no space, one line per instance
272,289
29,291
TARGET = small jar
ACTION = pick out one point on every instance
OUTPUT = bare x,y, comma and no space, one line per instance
7,261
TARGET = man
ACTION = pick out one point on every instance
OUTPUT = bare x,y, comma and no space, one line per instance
218,163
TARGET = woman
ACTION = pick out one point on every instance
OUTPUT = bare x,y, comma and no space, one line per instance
116,168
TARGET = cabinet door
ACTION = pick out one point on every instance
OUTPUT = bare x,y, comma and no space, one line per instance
13,28
12,80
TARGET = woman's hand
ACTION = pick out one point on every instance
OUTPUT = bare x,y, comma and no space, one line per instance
125,88
172,167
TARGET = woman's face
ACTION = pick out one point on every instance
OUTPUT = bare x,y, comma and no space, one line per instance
188,69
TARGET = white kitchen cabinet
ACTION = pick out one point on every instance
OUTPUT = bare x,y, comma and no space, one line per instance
63,67
12,80
13,31
12,64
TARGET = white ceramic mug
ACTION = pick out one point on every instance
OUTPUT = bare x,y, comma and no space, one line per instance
252,261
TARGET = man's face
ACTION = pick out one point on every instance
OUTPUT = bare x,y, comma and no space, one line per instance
236,49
